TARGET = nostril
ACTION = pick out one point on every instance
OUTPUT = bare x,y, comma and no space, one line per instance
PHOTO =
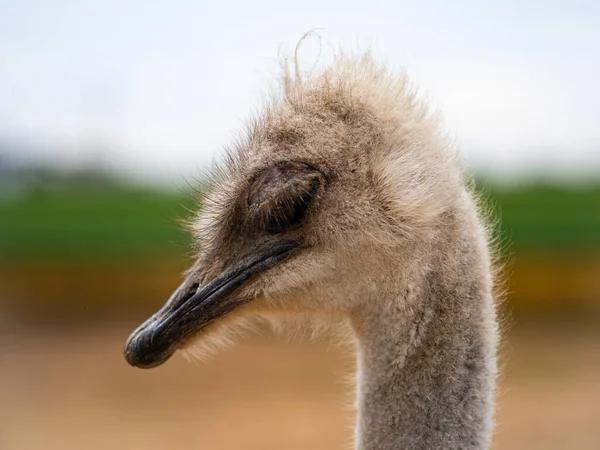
191,291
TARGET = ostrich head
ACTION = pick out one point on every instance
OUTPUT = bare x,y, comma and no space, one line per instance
337,192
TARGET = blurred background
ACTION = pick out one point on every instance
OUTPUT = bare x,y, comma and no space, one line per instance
109,111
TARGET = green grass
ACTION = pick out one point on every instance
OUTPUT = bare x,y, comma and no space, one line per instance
549,218
110,221
83,223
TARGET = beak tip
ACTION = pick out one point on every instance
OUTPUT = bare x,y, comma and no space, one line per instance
130,357
138,352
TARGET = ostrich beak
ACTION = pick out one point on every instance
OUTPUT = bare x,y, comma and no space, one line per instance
192,307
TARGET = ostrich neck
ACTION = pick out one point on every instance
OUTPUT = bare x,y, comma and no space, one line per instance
426,369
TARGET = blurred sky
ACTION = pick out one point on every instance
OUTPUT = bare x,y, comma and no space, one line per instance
165,85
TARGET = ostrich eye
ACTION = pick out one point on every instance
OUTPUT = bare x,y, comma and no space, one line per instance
281,195
289,207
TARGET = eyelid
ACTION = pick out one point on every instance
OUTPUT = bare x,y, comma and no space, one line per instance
281,195
286,216
285,188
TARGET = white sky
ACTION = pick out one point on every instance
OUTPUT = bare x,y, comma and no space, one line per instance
167,84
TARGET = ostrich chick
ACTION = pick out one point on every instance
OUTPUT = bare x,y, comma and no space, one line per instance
345,201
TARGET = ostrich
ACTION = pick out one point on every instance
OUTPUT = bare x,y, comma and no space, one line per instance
345,202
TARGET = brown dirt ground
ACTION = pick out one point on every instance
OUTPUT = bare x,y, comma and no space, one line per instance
72,390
